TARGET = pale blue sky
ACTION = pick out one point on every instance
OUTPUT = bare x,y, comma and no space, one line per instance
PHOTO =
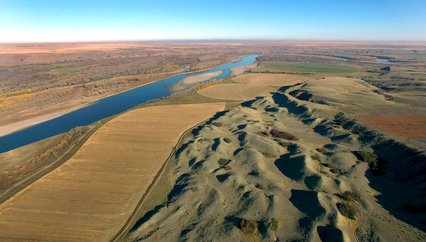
108,20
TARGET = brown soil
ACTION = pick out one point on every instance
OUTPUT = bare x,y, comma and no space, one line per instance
409,126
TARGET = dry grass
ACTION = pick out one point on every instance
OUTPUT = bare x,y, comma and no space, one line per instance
236,91
409,126
277,80
90,196
23,161
13,157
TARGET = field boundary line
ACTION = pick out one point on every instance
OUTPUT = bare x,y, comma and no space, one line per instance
126,226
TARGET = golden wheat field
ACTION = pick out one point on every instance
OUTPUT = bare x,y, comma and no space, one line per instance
92,195
236,91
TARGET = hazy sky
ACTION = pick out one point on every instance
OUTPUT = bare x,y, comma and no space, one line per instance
106,20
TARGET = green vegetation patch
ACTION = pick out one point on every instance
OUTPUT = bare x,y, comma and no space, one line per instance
287,67
274,224
70,69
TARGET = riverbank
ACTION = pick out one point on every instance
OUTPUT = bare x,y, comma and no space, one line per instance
32,117
40,118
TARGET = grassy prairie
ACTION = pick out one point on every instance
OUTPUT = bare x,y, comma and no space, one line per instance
303,67
70,69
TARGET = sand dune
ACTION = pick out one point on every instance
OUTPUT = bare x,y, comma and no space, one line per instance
285,168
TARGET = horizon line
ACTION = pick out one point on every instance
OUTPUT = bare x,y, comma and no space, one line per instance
224,40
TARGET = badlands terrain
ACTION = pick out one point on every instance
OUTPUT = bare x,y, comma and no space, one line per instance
293,164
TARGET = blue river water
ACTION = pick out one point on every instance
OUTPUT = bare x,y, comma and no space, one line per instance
101,109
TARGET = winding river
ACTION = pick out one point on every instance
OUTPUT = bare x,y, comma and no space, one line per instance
101,109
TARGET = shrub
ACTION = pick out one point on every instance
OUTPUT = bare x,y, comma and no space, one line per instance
223,162
366,156
263,133
217,124
205,85
349,196
268,155
227,140
248,227
274,225
347,210
283,135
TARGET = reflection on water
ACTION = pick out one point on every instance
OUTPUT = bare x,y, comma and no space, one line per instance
383,60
